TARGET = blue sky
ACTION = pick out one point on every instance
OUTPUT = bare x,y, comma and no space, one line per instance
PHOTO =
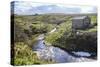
23,7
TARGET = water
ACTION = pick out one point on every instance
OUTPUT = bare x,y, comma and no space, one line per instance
56,54
81,53
39,45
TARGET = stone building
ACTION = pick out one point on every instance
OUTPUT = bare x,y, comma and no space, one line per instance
81,22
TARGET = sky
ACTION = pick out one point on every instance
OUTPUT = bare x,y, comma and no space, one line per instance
28,8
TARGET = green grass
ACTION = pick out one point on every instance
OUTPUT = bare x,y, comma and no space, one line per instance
93,19
23,55
94,29
61,29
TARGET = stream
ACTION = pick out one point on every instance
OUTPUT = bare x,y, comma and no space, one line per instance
56,54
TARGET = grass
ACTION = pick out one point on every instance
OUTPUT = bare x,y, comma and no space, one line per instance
94,29
61,29
93,19
23,55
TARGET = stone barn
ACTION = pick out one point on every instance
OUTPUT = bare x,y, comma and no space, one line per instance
81,22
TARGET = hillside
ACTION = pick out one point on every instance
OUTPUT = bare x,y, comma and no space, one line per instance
27,28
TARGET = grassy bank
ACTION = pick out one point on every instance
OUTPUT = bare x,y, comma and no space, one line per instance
65,38
23,55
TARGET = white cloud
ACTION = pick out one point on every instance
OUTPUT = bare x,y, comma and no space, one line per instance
88,9
84,9
24,6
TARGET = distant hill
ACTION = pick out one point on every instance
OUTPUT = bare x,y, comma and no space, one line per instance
64,14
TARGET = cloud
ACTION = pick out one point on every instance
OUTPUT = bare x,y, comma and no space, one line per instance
28,7
84,9
88,9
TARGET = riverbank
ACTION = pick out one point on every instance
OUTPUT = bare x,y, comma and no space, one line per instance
58,55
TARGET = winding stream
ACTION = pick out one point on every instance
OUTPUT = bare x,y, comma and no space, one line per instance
56,54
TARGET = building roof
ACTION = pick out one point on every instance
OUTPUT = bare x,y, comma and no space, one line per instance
79,17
